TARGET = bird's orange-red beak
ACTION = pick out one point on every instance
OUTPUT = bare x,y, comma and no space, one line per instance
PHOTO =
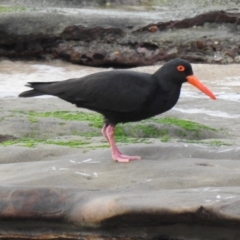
195,82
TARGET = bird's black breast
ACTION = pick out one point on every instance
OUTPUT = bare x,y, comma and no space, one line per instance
121,96
159,102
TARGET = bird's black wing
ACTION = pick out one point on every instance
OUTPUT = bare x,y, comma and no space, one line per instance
121,91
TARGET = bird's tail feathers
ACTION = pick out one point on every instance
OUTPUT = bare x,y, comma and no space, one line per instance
31,93
36,84
39,89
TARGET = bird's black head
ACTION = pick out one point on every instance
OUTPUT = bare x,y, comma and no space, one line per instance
177,71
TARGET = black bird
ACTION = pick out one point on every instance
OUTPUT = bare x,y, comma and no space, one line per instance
123,96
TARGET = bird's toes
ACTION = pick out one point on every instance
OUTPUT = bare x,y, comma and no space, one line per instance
120,159
131,157
125,158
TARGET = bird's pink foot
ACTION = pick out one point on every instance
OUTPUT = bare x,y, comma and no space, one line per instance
131,157
108,133
124,158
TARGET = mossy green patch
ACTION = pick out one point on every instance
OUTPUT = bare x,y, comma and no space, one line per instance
218,143
185,124
165,139
24,142
73,144
147,130
27,142
94,119
12,9
158,128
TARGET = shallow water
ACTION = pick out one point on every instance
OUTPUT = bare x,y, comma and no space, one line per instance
14,75
207,112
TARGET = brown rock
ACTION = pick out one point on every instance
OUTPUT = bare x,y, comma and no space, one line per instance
200,44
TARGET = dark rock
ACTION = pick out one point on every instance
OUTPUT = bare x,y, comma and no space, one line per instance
200,44
4,138
210,17
81,33
105,41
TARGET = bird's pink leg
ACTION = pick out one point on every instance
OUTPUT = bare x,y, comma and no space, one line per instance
104,133
108,133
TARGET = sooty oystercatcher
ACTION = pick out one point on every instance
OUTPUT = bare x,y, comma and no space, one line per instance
123,96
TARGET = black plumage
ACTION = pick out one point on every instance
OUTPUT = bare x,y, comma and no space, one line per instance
123,96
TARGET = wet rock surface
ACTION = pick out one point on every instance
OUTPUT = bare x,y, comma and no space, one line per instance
121,38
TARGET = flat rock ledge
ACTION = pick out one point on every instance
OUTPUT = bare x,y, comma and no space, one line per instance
50,213
94,39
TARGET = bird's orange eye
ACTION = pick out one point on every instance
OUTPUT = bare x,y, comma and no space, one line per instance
180,68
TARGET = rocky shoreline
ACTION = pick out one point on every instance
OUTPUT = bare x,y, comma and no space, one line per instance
57,179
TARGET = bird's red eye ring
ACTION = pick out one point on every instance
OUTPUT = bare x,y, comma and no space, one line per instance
180,68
